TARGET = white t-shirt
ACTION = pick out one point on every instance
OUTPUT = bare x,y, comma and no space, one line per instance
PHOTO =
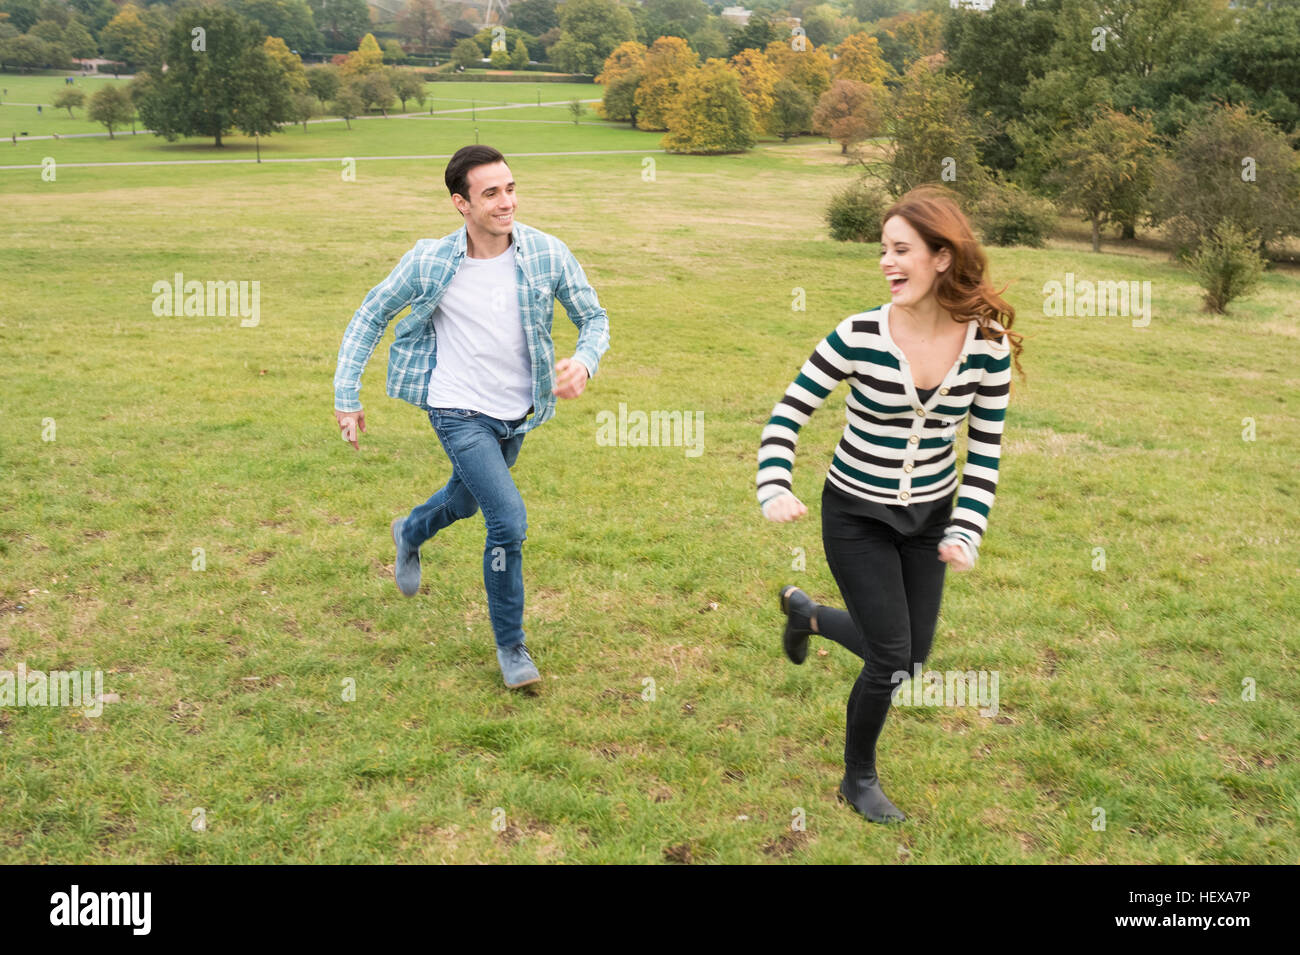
483,360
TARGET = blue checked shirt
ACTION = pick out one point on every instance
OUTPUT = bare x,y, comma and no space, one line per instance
545,270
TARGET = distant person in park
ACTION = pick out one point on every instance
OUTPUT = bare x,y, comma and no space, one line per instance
476,355
938,352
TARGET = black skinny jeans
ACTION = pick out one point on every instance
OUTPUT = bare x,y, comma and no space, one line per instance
892,585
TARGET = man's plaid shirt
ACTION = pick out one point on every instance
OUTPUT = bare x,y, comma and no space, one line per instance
545,270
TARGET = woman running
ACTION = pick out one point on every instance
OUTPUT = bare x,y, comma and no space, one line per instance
940,349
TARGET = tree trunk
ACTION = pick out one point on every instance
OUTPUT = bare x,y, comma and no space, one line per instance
1128,230
218,142
1096,235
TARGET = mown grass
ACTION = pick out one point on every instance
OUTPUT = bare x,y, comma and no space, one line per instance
18,117
1119,688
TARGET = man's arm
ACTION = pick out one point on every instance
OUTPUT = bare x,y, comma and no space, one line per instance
378,308
583,308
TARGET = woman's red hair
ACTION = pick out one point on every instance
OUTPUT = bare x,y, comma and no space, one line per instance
963,289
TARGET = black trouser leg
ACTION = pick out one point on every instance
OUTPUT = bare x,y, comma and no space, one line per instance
892,586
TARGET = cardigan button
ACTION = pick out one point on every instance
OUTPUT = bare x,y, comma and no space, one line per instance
920,412
943,391
907,468
913,439
903,496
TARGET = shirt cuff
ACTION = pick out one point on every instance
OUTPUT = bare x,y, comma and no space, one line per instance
971,551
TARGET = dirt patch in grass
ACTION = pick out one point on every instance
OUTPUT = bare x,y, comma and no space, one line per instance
787,845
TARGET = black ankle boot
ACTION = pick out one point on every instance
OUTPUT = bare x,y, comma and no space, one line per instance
799,610
860,788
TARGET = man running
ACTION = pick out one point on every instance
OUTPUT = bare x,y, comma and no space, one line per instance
475,354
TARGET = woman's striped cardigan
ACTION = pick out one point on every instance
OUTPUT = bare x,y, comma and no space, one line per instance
896,450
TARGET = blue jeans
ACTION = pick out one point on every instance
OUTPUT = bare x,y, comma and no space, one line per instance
482,450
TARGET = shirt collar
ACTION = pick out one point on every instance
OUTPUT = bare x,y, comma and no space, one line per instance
460,244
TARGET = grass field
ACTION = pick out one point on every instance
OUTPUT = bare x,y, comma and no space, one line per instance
18,114
1120,689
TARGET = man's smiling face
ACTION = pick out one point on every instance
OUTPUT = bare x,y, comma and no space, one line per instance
490,210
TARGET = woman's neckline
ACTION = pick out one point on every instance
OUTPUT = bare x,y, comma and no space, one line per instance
905,370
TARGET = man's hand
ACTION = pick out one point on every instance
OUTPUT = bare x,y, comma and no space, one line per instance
783,508
570,378
955,555
349,422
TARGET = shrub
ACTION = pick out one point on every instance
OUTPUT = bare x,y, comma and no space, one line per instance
1008,215
1227,264
855,214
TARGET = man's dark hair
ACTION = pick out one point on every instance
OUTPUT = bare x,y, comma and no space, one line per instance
467,158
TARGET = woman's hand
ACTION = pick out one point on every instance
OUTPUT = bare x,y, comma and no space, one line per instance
956,555
784,508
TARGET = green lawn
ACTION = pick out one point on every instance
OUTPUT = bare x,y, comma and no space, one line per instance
18,117
1119,689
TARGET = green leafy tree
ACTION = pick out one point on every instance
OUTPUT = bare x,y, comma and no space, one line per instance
1256,64
792,110
1105,169
304,108
78,41
407,86
1232,165
710,43
499,60
348,104
998,53
519,55
466,53
290,20
393,52
534,16
23,14
673,18
589,32
323,81
756,35
932,137
575,56
823,26
1227,265
229,84
30,53
343,22
95,14
112,107
68,98
619,103
375,91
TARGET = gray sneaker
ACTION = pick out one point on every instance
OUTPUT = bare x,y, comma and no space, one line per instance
517,666
407,569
